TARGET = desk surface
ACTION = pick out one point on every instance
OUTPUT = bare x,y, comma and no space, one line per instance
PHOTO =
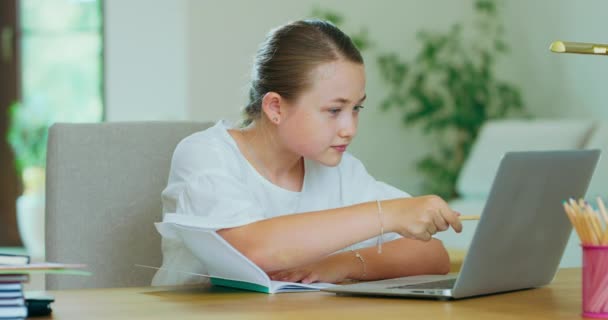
560,300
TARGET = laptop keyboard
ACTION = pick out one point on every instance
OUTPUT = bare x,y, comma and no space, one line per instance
442,284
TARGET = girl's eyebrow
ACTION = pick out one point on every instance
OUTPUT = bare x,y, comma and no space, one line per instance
344,100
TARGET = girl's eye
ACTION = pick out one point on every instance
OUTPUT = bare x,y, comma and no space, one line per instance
334,111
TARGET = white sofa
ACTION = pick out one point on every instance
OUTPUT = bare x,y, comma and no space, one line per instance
499,136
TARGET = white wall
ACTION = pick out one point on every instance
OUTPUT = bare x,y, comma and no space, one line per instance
558,85
146,59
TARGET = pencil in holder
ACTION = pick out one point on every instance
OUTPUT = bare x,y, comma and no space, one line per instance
595,281
592,228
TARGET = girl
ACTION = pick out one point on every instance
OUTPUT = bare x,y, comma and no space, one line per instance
283,190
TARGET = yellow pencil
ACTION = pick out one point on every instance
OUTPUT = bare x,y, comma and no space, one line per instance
604,215
591,225
469,217
573,220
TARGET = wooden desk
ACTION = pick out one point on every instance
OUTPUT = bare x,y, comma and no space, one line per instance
560,300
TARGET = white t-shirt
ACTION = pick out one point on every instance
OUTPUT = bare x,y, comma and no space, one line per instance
212,180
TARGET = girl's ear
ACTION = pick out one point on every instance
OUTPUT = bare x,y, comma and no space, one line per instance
272,105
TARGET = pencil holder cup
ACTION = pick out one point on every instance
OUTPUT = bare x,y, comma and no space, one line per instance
595,281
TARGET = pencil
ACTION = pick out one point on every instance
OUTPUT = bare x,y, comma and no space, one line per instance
605,216
469,217
590,225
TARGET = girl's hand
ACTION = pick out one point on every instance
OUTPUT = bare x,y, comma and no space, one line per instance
333,269
420,217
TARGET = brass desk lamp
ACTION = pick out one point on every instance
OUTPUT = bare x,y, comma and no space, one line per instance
579,47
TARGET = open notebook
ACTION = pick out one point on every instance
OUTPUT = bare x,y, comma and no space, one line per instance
225,265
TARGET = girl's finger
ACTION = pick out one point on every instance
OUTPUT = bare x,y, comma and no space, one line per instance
310,278
277,275
296,276
440,223
452,218
425,236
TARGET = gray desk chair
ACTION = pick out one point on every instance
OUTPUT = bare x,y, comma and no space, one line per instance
103,189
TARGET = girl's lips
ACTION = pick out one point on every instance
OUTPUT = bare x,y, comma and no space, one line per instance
341,148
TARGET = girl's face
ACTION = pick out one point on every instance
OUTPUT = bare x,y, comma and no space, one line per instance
323,121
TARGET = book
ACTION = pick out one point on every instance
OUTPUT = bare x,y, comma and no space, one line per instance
43,267
11,286
12,302
11,294
13,259
14,278
13,312
225,265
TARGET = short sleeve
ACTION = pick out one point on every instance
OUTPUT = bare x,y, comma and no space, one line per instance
218,200
204,184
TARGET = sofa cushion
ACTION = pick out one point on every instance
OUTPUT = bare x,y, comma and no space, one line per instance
500,136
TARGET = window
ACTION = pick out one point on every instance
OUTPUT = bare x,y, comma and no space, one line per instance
62,58
59,77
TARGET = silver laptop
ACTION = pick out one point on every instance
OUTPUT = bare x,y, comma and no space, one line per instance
521,236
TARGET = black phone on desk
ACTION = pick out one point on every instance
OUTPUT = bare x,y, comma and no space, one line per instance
38,304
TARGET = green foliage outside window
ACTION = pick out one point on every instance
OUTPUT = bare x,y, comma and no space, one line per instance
27,134
62,70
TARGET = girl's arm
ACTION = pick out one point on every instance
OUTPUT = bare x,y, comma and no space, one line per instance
399,258
296,240
404,257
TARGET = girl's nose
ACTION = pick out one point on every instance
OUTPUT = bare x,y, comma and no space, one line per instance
348,129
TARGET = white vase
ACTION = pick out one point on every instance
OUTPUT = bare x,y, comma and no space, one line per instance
30,213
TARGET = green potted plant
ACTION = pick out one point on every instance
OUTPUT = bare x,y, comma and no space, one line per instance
450,89
27,136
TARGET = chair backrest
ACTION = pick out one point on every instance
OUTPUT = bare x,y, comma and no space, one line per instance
103,194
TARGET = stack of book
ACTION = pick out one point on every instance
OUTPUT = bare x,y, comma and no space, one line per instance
12,302
14,271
